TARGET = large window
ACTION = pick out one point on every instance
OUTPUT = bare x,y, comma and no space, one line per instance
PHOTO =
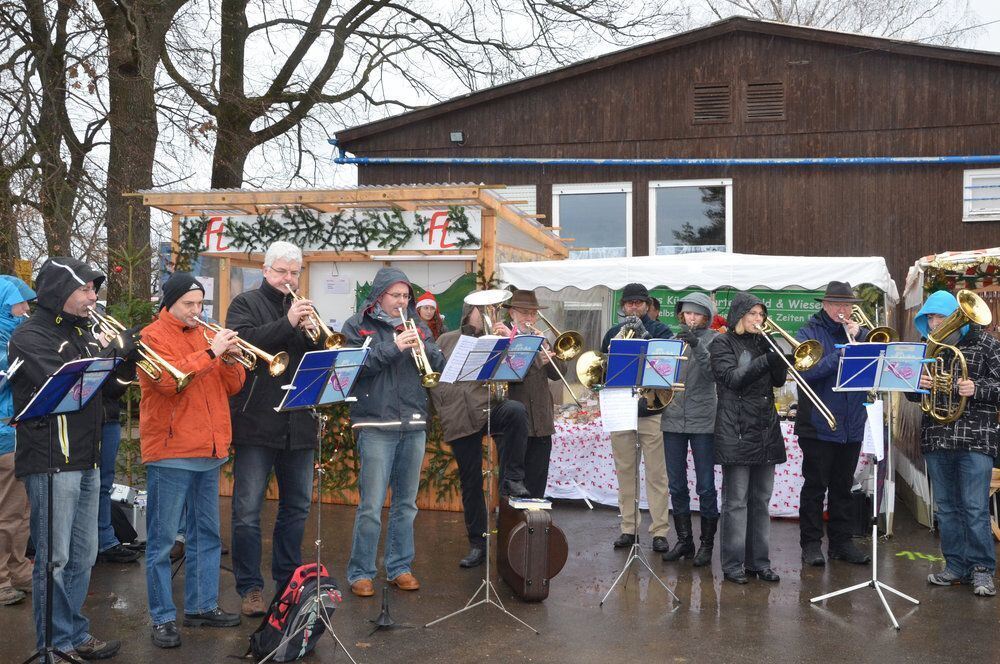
598,218
981,199
690,215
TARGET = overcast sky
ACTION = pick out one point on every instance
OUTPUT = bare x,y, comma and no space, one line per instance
988,38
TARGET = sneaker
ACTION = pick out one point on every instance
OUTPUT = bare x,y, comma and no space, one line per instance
947,578
9,595
73,655
982,582
214,618
118,554
253,604
94,648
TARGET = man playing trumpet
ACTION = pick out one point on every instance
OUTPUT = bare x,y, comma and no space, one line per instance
266,441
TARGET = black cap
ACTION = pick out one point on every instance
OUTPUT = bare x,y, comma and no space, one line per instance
177,285
633,292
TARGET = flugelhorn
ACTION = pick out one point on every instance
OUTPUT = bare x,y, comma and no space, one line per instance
428,377
331,339
807,352
940,404
149,360
247,354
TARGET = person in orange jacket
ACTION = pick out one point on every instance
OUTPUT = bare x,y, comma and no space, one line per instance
185,440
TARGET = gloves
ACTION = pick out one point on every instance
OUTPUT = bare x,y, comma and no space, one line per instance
129,348
635,324
775,360
689,338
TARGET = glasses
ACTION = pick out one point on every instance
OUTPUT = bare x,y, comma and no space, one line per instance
282,272
86,289
405,295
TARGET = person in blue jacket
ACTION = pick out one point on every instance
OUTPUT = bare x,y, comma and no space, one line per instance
830,456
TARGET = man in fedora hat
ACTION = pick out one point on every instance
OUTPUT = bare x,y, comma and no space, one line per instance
829,457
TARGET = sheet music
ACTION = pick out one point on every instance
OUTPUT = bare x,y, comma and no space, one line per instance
873,442
619,411
468,357
456,360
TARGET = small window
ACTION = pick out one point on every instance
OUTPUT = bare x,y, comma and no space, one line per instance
597,217
690,215
712,104
765,102
981,195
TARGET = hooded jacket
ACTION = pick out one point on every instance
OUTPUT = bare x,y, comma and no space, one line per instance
46,341
848,408
692,410
10,295
261,318
747,431
388,389
461,406
656,330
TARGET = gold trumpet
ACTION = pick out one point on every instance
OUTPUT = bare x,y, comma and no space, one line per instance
940,404
806,353
331,340
881,334
247,354
428,377
149,360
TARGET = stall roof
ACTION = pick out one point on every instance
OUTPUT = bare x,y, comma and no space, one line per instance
708,270
953,261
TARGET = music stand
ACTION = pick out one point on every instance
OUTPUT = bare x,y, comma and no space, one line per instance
877,367
642,364
323,377
489,360
67,390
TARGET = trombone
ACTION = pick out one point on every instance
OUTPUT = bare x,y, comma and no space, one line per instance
550,354
247,354
149,360
567,345
881,334
428,377
807,353
331,340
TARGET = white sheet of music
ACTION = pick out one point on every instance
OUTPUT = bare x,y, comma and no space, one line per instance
619,409
873,442
460,365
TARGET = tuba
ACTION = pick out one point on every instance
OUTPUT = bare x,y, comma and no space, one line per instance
149,360
940,404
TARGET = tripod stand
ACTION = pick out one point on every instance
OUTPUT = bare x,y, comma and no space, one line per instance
490,595
635,553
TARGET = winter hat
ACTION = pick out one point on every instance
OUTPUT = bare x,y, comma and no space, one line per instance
941,303
426,300
177,285
27,294
695,308
633,292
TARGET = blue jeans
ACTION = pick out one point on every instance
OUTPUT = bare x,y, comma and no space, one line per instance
169,490
961,483
675,449
746,523
74,551
388,459
251,473
111,437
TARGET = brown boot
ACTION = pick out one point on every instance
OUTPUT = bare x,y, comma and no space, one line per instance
253,604
363,588
406,581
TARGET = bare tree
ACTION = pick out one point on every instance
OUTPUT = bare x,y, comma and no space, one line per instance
276,68
935,21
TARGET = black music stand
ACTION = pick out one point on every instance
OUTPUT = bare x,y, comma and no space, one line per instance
67,390
323,377
489,360
888,368
639,364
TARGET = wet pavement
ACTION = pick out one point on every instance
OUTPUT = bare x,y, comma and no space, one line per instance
714,621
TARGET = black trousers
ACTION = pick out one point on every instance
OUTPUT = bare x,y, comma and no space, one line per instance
536,465
828,469
509,426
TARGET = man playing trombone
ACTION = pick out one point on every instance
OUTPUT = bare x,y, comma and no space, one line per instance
390,422
830,456
185,440
266,441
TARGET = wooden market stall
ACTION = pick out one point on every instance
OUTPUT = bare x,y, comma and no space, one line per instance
448,238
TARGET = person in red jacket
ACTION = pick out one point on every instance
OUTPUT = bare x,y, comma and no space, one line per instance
185,439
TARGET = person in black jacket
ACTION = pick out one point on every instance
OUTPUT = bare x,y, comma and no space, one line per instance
748,441
59,331
635,306
266,441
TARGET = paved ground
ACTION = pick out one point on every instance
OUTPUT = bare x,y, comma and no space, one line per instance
714,621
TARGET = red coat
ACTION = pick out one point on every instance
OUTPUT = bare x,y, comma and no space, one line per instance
194,423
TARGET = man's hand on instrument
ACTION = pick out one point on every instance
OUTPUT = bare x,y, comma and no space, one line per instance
925,381
299,310
224,342
308,323
406,340
501,330
852,328
966,387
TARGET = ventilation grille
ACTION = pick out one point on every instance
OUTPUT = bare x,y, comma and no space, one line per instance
712,104
765,101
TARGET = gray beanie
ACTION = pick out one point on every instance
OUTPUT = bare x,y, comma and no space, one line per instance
695,309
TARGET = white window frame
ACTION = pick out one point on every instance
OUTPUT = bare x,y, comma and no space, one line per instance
969,180
664,184
595,188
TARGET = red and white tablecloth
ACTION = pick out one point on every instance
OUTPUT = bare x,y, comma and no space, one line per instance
581,467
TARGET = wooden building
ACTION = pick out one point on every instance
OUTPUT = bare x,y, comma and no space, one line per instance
736,89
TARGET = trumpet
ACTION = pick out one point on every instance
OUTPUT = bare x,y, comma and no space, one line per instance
331,340
806,353
766,330
149,360
428,377
881,334
940,404
248,354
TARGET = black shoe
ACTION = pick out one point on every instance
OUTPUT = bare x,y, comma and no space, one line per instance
847,552
94,648
624,540
118,554
685,542
515,489
660,544
475,557
768,574
166,635
708,528
214,618
739,577
812,554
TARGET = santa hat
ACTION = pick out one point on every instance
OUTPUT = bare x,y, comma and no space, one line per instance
426,300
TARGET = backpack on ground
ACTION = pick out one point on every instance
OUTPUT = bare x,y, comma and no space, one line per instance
291,627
